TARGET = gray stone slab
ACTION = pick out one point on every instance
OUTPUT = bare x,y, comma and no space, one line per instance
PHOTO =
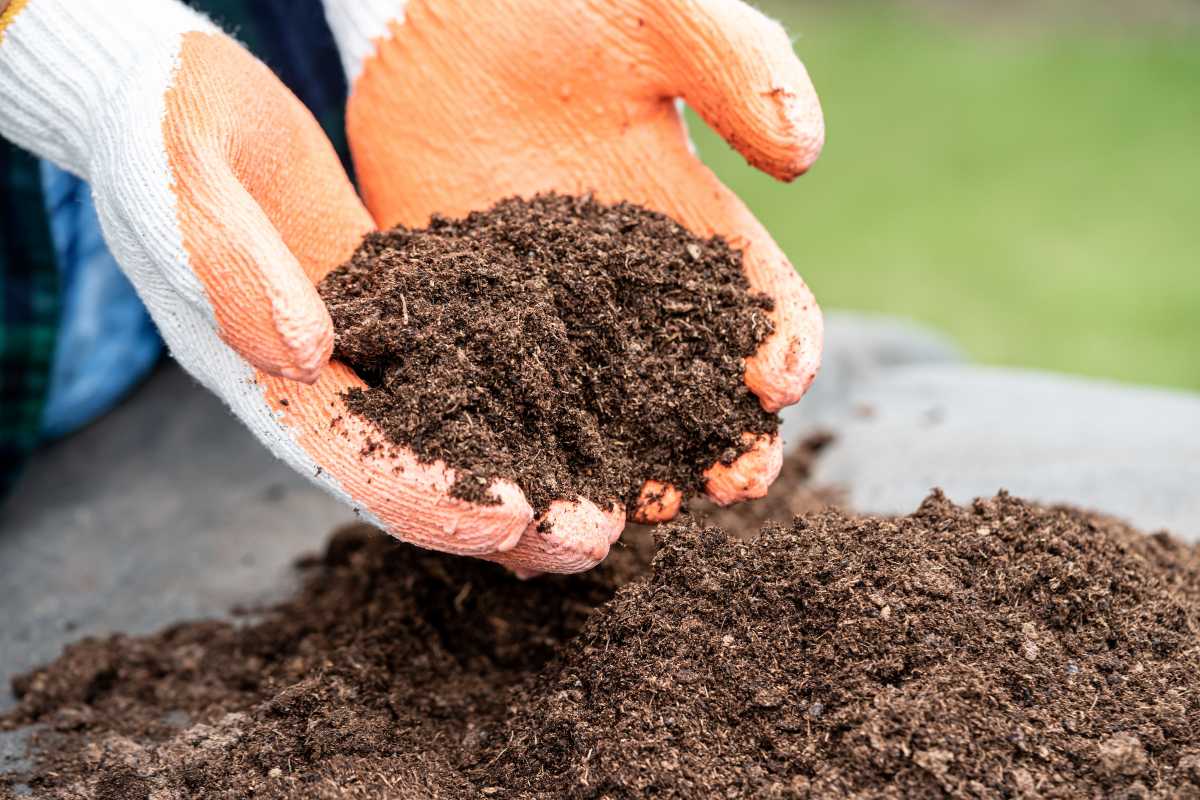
858,345
164,510
901,430
14,755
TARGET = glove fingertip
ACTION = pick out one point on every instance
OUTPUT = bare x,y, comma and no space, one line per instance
751,475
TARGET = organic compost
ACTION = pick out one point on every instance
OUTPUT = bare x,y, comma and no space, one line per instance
999,649
572,347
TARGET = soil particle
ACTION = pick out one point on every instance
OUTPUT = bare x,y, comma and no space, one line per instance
1122,754
575,348
835,656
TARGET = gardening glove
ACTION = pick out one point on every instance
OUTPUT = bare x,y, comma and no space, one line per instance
224,203
455,104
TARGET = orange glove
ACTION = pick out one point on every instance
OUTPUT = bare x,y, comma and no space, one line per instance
224,203
456,104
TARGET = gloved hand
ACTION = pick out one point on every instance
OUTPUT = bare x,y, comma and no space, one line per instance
224,203
455,104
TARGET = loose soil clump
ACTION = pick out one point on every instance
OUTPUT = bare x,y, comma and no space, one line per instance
575,348
996,650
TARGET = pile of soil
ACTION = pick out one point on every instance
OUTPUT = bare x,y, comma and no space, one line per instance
995,650
110,713
575,348
1000,650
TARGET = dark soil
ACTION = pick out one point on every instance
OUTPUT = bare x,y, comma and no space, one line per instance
995,650
575,348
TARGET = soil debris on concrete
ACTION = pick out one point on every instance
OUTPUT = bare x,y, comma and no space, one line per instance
575,348
999,649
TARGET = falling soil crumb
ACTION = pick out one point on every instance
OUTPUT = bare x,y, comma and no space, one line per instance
574,348
835,656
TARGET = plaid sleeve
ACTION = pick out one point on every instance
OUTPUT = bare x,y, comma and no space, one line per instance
29,309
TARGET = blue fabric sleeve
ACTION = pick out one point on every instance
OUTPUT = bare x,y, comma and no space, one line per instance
106,340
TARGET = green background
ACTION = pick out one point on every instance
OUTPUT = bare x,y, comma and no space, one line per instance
1027,181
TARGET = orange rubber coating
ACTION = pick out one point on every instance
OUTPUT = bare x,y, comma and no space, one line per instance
658,502
263,215
266,211
411,499
750,476
569,537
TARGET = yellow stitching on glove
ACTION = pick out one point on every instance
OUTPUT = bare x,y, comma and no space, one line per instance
9,14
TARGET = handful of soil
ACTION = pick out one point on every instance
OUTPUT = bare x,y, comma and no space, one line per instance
575,348
996,650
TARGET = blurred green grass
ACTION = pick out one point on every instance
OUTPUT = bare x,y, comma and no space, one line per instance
1035,194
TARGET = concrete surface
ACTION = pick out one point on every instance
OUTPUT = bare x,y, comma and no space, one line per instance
164,510
14,749
167,510
972,430
909,414
858,346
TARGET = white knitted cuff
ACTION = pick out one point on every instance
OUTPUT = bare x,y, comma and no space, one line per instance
357,27
63,61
